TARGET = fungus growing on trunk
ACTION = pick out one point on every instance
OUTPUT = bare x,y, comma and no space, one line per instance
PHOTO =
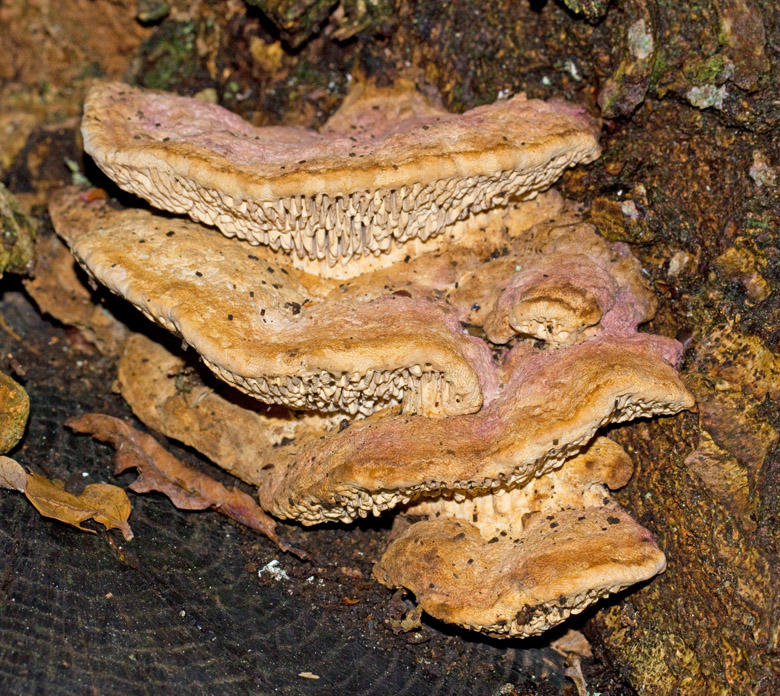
550,407
259,325
168,395
517,562
392,336
511,560
419,263
313,469
389,166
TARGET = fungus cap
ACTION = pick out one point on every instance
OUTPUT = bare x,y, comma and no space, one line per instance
549,408
562,564
387,337
558,282
515,562
548,548
370,179
260,327
234,431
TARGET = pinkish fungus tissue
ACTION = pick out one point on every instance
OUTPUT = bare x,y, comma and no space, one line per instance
441,334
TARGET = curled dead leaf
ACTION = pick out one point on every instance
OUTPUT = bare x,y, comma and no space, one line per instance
101,502
572,642
12,475
159,470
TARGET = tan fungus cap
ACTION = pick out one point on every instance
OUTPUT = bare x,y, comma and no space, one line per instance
377,175
515,562
551,405
260,327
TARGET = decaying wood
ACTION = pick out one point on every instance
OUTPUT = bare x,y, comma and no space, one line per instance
704,486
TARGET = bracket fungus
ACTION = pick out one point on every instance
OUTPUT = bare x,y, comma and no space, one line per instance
391,336
518,561
258,325
550,409
455,333
516,495
170,397
389,166
551,406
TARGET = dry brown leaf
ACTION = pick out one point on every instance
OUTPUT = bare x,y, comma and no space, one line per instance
159,470
112,505
12,475
101,502
572,642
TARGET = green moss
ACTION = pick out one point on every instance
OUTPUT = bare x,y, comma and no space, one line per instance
14,410
17,235
660,64
169,56
231,90
713,69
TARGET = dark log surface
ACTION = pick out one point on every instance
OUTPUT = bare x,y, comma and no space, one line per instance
688,177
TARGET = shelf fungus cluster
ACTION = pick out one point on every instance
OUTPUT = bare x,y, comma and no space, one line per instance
436,332
388,167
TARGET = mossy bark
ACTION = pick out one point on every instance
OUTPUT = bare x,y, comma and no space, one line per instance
14,410
708,625
17,235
